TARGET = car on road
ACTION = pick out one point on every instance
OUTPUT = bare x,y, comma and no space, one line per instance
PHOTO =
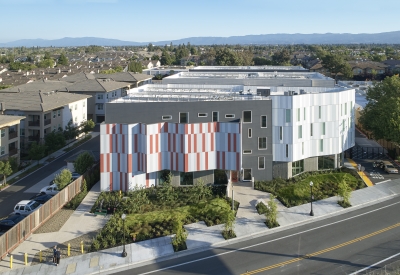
49,190
389,168
26,207
75,176
9,222
40,198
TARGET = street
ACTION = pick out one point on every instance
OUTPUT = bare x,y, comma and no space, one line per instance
338,245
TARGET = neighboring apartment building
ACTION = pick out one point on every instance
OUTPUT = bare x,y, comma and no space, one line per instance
10,137
198,131
265,68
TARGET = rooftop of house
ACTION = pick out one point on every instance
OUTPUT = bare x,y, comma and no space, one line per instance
97,85
367,64
6,120
41,85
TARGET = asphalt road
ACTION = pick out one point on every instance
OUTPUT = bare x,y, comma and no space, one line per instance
338,245
15,193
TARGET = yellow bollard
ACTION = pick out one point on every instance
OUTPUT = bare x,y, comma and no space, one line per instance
82,247
26,258
120,193
40,256
69,249
11,259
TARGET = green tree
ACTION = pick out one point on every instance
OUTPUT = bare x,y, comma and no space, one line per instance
281,57
336,64
344,192
180,234
70,132
381,115
47,56
45,63
226,57
37,151
63,178
200,191
166,58
165,191
135,67
83,162
63,60
272,212
155,57
54,141
259,61
118,69
5,170
229,224
87,126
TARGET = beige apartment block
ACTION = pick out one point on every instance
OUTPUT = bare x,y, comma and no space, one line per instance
10,137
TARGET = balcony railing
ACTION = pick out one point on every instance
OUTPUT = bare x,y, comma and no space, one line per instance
12,135
47,121
34,138
34,123
12,152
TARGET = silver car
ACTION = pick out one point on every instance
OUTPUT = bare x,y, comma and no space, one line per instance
389,168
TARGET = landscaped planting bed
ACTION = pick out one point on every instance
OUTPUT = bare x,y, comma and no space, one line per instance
296,191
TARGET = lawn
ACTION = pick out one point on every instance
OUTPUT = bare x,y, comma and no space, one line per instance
297,191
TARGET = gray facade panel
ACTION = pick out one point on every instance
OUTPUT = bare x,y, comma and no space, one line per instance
282,170
311,164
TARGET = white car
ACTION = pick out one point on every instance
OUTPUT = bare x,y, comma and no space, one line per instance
50,190
26,207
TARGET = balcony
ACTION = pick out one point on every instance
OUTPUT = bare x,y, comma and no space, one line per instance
34,138
12,152
34,123
12,135
47,121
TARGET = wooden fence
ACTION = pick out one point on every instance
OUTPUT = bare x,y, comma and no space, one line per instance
20,232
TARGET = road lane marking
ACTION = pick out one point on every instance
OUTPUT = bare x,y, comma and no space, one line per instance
266,242
363,176
308,256
375,264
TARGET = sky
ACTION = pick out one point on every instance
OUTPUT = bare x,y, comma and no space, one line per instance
156,20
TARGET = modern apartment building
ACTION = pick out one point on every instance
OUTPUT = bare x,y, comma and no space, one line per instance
198,132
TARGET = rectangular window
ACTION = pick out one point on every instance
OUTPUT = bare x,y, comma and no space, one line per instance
344,124
249,133
287,150
261,163
311,129
214,116
76,119
202,115
3,132
99,106
186,178
58,113
323,128
262,143
246,116
304,113
2,150
247,151
321,145
297,167
302,148
319,111
100,96
54,114
229,116
300,131
280,133
288,116
22,132
350,107
54,127
84,103
76,106
263,121
298,114
59,127
345,108
247,174
183,117
166,117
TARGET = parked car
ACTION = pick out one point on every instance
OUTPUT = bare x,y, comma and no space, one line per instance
389,168
10,222
49,190
75,176
42,198
26,207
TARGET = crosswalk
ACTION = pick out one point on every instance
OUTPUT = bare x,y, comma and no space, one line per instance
376,175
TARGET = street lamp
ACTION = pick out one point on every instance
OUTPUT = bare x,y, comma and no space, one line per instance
123,217
311,185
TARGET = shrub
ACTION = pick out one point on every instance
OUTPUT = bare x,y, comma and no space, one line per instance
63,179
272,212
83,162
344,192
179,241
261,208
228,232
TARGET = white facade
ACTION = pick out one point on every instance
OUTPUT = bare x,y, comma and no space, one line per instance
102,98
312,124
77,111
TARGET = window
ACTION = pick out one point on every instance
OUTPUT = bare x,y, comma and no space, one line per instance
214,116
76,106
304,113
3,132
288,116
298,114
84,104
59,127
345,108
319,111
311,129
247,151
54,114
186,178
2,150
261,163
246,174
321,145
350,107
302,148
326,162
323,128
280,133
76,119
100,96
83,116
166,117
100,106
229,116
202,114
262,143
287,150
249,133
297,167
246,116
341,109
263,121
344,125
22,132
55,128
59,113
300,131
183,117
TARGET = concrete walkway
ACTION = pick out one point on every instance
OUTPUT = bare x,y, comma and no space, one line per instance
248,225
80,223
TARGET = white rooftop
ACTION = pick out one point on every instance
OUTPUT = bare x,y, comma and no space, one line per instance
252,68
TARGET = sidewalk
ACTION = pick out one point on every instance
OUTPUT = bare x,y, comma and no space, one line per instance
45,161
201,237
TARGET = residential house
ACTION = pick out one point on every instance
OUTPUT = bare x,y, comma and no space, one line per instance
367,68
393,66
10,137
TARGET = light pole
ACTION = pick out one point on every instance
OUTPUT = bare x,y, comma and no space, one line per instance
123,217
311,212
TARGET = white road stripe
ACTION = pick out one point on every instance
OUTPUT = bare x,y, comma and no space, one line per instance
368,267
